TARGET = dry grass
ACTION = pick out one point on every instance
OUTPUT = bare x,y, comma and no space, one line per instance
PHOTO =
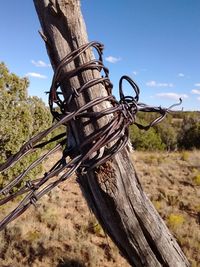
61,231
171,181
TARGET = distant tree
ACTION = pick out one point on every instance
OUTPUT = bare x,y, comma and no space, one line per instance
168,132
189,136
21,117
40,113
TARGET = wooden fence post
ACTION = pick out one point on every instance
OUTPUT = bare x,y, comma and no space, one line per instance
113,190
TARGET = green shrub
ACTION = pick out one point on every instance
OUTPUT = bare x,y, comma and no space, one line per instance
175,220
157,204
33,235
185,155
196,179
145,140
95,228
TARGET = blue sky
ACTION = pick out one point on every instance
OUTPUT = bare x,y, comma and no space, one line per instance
156,42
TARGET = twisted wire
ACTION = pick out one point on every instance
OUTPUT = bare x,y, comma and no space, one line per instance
111,138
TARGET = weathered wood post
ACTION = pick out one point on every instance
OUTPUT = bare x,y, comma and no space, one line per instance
113,190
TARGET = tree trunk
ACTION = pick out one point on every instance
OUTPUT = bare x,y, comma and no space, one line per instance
113,190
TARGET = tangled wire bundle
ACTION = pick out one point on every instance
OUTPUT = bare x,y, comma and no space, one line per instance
111,138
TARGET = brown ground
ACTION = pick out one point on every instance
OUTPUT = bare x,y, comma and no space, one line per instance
61,231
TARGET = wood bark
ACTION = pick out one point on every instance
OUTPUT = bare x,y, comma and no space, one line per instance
113,191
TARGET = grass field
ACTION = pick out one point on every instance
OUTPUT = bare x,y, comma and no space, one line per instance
61,231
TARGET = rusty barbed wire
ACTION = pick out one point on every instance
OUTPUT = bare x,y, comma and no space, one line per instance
111,138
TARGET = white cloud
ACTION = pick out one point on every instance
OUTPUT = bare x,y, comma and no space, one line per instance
180,74
135,72
112,59
195,91
172,95
36,75
198,98
40,63
197,84
151,83
158,84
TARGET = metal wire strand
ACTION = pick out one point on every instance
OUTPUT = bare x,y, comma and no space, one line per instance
97,148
